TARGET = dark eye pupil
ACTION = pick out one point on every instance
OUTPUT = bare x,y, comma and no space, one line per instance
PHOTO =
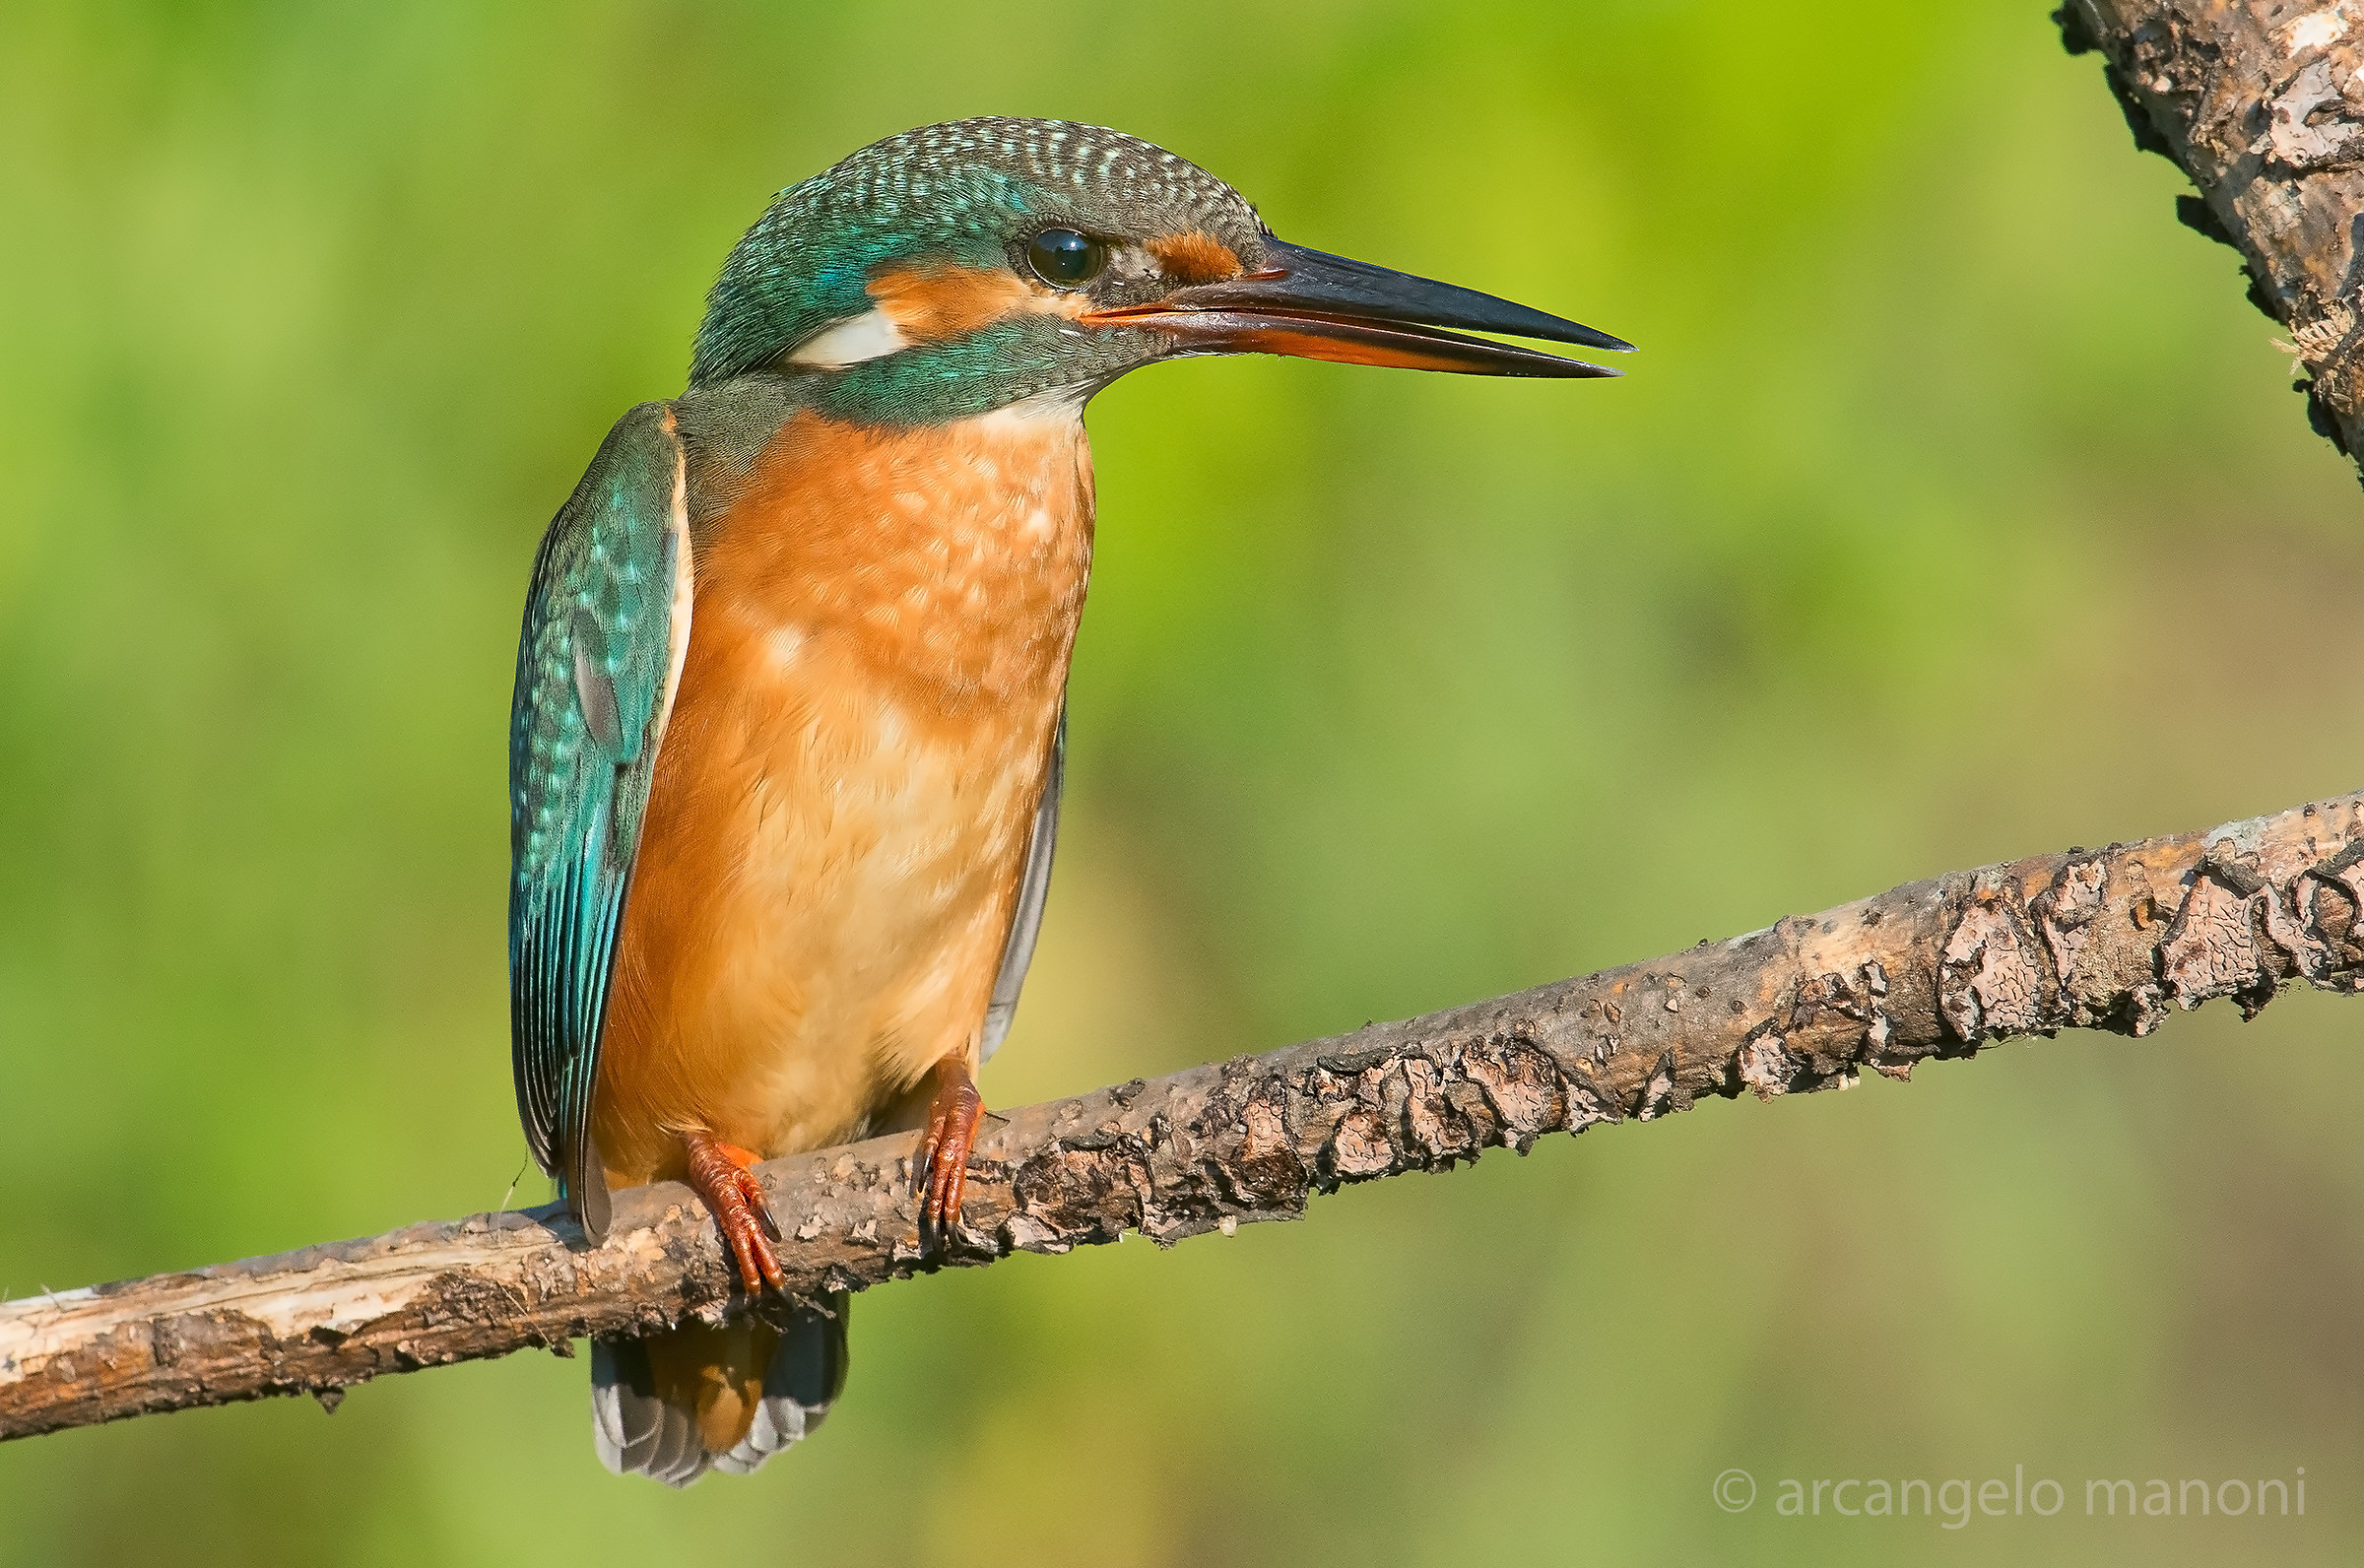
1065,258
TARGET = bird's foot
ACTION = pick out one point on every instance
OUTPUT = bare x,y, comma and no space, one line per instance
724,1176
939,1171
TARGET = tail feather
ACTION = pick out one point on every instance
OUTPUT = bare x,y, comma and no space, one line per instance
669,1406
805,1376
638,1432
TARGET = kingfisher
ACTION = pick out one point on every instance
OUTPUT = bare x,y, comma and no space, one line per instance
789,725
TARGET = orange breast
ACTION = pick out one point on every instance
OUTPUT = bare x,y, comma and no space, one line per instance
876,658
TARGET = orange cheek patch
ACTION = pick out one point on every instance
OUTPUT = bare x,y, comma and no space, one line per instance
1195,256
929,304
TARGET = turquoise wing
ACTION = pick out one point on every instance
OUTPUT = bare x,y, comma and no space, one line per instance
607,621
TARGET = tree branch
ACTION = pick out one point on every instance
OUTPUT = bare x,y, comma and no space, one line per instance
2261,102
2101,940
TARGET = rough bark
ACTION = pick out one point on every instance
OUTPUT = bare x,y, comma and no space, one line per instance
2104,938
2261,102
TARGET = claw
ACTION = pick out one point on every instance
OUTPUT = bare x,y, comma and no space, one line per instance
939,1173
724,1176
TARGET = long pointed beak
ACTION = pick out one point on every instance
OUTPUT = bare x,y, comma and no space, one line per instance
1318,307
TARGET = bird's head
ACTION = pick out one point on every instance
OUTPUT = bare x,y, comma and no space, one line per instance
959,268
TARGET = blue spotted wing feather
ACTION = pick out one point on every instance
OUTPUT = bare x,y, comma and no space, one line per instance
607,621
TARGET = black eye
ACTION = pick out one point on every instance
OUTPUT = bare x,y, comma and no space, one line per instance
1065,259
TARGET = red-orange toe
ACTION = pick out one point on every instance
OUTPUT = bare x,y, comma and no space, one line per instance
723,1175
939,1171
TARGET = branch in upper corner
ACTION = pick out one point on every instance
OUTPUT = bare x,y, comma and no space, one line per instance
2104,938
2262,103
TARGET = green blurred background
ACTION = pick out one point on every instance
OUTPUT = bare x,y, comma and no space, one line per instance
1957,508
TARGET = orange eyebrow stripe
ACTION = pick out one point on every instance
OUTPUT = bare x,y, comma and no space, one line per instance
929,304
1195,256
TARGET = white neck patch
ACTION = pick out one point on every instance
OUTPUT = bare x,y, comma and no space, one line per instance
871,335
